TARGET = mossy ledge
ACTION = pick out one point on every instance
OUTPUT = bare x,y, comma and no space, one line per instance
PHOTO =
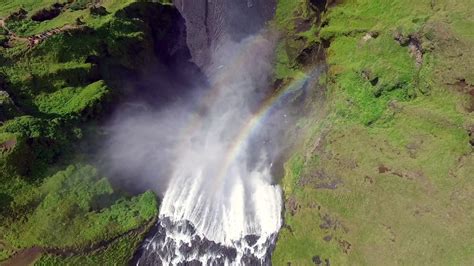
59,78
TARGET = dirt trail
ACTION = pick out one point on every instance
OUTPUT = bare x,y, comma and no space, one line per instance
37,38
25,257
11,34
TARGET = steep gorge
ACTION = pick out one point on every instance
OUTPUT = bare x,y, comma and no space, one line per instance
359,135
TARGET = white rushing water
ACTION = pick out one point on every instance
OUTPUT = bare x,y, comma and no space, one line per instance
220,206
223,211
241,204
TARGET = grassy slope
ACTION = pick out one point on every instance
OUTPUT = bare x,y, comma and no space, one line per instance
54,93
286,17
78,10
397,152
116,253
79,207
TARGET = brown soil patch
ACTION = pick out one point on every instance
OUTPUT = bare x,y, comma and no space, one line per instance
383,169
464,87
25,257
345,246
319,179
414,44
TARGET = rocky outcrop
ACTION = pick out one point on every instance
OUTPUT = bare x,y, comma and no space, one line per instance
48,13
208,23
414,44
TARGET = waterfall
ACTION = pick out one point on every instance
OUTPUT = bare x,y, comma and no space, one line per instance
221,206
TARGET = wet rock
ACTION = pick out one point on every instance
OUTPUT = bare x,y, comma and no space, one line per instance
163,245
230,253
185,249
250,260
252,239
209,23
313,53
191,263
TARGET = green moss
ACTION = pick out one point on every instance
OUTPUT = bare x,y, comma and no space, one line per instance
69,101
69,15
289,14
293,170
117,253
287,11
56,90
80,208
394,143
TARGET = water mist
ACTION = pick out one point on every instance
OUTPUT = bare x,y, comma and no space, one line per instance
207,158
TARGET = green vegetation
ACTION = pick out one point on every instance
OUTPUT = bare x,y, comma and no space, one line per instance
297,22
75,209
116,253
59,72
385,178
71,100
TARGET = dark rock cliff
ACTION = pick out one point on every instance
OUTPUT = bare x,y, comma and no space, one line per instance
210,22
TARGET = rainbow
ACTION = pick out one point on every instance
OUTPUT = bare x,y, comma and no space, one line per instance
240,141
239,61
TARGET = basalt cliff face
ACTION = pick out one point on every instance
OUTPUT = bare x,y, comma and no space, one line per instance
209,23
